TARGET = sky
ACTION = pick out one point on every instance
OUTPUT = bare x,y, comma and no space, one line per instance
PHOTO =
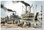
34,3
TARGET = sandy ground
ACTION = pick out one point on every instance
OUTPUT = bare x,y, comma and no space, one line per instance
9,26
12,26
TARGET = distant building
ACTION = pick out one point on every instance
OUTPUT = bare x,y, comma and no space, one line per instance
28,16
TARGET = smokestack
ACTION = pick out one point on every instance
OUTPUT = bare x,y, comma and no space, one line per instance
2,6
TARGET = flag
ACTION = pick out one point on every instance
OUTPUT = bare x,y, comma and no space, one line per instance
35,6
41,8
